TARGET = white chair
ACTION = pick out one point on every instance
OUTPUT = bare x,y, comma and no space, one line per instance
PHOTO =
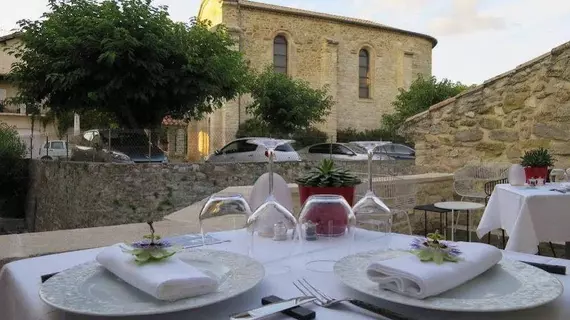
469,181
282,194
260,192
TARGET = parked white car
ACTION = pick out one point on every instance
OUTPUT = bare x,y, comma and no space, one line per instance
337,151
242,150
54,149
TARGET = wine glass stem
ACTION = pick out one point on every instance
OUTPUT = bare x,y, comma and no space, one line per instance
270,153
370,155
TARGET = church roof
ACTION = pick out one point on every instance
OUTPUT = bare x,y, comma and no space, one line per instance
361,22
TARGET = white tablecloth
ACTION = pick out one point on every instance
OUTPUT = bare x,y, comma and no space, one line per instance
20,282
528,216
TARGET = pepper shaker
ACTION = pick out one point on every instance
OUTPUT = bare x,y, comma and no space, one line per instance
279,231
310,231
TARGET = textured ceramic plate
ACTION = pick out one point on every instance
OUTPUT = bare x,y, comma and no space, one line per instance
510,285
90,289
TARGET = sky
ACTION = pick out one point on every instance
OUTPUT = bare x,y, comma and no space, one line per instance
478,39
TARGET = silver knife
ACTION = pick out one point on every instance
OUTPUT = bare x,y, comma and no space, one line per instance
270,309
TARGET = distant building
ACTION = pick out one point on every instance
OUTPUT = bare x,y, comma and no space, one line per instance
15,115
363,63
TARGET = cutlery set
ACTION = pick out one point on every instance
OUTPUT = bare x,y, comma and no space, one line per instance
293,307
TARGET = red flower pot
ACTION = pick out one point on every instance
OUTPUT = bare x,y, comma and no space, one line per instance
536,172
347,192
331,219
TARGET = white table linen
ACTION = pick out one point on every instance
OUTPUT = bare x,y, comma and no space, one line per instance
409,276
20,283
170,279
528,215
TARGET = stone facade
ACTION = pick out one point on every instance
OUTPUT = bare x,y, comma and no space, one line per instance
323,50
6,60
68,195
525,108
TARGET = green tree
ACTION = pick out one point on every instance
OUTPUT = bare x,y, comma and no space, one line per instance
423,93
287,105
13,175
126,58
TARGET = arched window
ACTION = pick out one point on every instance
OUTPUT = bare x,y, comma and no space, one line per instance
364,74
280,54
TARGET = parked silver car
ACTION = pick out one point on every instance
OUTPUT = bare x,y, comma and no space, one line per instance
396,151
337,151
242,150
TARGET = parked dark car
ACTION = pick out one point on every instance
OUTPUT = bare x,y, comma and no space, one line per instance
396,151
125,146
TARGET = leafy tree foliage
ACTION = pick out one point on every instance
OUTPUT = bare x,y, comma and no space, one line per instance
285,104
126,58
13,176
423,93
351,134
10,144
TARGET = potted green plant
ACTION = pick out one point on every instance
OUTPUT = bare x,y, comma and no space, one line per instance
330,219
536,163
327,179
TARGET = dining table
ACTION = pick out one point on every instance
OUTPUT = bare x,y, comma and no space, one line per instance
20,282
529,215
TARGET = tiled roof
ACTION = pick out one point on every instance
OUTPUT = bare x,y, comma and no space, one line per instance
168,121
362,22
9,36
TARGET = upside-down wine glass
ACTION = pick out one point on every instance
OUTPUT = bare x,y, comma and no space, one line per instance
371,207
222,212
272,222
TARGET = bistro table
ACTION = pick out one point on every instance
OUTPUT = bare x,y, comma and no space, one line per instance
20,282
528,215
459,206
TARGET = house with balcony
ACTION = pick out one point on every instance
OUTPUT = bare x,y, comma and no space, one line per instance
32,132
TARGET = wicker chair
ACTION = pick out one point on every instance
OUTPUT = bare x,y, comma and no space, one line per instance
469,181
399,196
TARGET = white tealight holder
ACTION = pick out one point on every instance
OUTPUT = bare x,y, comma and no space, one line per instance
517,176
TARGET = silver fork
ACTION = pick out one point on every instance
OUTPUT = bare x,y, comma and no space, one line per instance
326,301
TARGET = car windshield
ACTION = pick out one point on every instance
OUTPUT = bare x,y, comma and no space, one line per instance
126,138
356,148
285,148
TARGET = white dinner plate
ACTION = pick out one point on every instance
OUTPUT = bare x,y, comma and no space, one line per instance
90,289
510,285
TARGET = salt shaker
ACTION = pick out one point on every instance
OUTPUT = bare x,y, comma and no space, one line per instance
310,231
279,231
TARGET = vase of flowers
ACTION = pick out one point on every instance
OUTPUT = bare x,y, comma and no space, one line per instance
536,163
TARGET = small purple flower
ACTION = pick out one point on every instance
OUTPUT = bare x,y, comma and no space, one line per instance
418,243
454,251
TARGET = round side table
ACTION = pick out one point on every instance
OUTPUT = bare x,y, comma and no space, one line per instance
459,206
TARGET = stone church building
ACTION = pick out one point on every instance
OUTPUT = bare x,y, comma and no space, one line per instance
362,62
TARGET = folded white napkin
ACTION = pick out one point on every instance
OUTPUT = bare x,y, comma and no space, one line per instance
409,276
565,185
170,279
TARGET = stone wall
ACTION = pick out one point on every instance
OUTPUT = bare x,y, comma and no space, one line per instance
522,109
68,195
